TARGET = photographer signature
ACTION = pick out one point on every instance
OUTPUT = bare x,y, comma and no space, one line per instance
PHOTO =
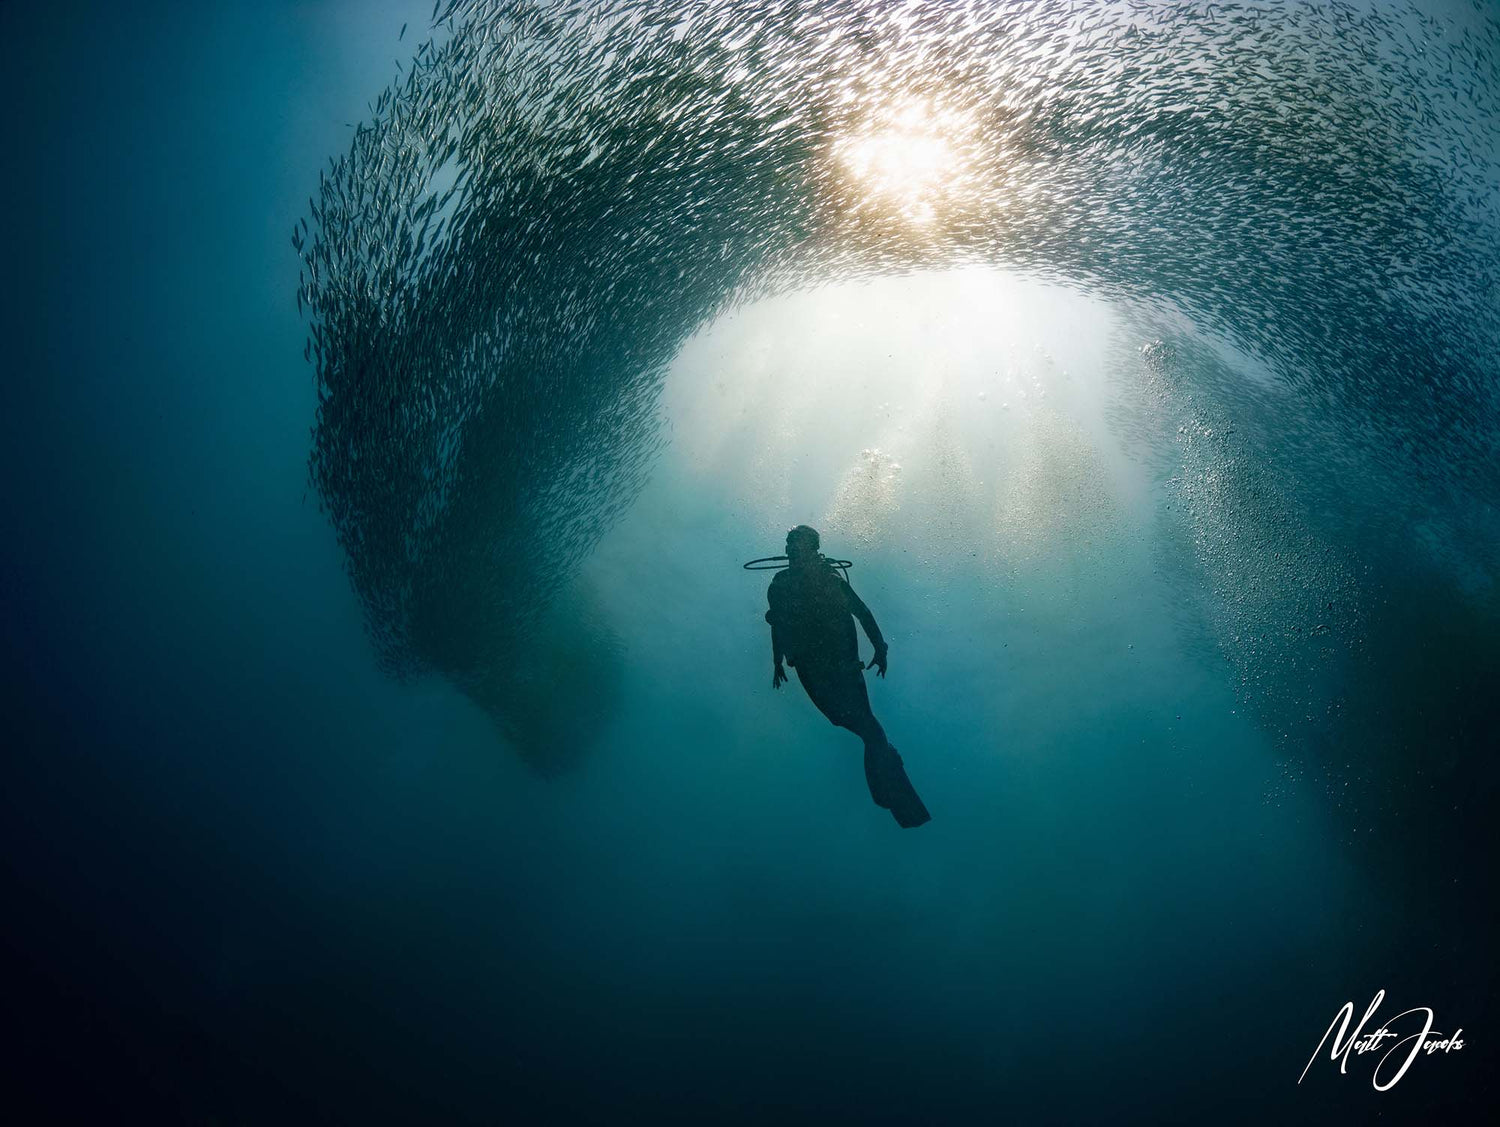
1424,1040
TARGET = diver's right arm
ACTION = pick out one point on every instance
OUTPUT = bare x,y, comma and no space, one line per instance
867,620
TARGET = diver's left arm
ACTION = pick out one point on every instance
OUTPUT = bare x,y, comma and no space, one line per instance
778,648
867,620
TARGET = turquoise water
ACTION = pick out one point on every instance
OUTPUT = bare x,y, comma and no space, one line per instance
1141,358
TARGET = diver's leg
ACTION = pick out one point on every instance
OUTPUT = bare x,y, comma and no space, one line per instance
841,695
903,802
884,775
867,728
864,725
875,776
890,789
853,712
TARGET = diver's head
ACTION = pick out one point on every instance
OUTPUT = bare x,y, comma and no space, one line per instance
802,545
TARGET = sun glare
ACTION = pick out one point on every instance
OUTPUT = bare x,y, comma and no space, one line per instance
909,162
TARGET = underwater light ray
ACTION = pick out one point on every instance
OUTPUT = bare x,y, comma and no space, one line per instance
614,175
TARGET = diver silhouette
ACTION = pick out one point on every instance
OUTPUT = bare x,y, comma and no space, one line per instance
812,627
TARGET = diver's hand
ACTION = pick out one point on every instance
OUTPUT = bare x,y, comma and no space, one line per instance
778,677
878,661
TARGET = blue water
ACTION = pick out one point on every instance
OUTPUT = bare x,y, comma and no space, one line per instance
1173,489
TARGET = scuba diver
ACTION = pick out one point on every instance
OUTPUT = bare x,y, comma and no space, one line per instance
812,627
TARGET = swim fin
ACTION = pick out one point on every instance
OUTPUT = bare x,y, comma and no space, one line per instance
892,790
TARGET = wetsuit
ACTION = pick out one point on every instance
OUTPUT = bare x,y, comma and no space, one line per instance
812,613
